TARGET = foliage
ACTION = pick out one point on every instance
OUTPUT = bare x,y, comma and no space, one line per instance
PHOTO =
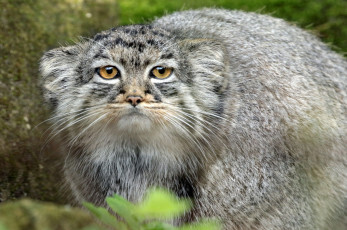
159,205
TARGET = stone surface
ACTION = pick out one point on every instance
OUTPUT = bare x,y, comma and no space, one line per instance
34,215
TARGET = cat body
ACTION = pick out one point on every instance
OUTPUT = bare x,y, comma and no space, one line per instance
249,122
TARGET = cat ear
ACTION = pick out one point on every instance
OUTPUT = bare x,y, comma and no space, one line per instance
56,66
208,61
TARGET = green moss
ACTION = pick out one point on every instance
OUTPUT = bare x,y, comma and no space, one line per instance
33,215
28,28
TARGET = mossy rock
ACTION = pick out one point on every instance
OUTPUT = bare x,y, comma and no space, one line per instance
35,215
29,165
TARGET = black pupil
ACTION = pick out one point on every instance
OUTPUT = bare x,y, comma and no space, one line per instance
161,70
109,70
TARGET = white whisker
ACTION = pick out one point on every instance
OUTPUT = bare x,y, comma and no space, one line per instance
57,130
188,133
71,143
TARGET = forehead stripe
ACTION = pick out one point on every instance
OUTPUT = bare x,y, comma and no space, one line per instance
99,37
167,56
100,55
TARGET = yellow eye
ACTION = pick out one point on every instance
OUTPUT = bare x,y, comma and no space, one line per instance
161,72
108,72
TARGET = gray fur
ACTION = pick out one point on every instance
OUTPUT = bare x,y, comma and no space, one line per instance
251,125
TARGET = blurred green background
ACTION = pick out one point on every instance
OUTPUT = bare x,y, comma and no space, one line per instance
29,167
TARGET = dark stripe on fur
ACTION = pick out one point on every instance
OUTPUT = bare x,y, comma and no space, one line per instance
167,56
167,89
99,56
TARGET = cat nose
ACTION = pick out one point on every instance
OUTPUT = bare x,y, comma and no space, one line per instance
134,100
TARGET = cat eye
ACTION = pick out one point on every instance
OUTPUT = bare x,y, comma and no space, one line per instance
161,72
108,72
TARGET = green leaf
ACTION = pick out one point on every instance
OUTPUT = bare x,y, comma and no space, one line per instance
202,225
155,225
124,209
161,204
103,215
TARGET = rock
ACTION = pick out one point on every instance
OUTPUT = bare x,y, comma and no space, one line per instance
35,215
29,163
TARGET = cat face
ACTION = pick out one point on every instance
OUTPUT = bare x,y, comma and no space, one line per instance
136,81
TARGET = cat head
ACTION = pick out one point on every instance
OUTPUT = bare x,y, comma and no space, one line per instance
136,81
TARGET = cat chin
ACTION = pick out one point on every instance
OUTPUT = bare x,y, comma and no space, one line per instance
134,124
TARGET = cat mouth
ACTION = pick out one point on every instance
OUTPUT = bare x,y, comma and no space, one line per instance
145,111
131,115
140,117
134,112
134,121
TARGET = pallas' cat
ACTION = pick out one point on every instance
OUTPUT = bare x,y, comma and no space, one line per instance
242,113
